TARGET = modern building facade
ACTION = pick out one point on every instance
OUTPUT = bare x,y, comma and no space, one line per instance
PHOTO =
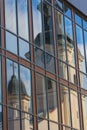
43,65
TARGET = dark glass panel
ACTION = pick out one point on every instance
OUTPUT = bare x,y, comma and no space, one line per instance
41,96
11,42
25,89
74,109
65,105
49,1
1,118
39,57
58,4
10,15
83,80
52,99
27,121
12,84
62,70
80,44
48,28
85,24
23,19
53,126
13,119
24,50
0,81
42,124
50,63
60,37
84,108
78,19
67,11
37,22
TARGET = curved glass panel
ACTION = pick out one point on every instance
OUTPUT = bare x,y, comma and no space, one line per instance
10,15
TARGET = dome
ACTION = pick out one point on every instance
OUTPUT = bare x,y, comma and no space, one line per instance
13,87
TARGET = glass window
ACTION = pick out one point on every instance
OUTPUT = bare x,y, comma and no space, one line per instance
80,44
1,118
65,105
48,28
50,63
25,89
53,126
84,107
78,19
0,38
13,119
52,99
12,84
83,80
62,70
42,124
85,24
74,109
11,42
37,22
41,96
10,15
24,50
67,11
0,81
85,40
39,57
27,121
58,4
23,25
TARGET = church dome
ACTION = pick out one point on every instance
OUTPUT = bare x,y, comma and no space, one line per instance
13,87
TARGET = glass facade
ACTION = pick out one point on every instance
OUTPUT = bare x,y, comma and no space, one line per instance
43,66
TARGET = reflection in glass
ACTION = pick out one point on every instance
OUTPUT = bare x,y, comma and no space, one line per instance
50,63
80,45
23,19
58,4
13,119
25,88
39,57
78,19
67,11
85,24
12,84
53,126
67,128
10,15
83,80
62,70
1,119
11,42
24,50
74,109
41,96
65,105
0,82
48,29
52,99
37,22
42,124
85,40
84,107
60,37
27,121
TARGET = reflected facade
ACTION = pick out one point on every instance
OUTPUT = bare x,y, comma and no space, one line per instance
43,66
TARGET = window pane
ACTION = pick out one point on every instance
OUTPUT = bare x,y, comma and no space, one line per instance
27,121
52,99
83,80
67,11
53,126
78,20
84,107
58,4
10,15
74,109
23,19
12,84
80,45
48,29
24,50
1,118
42,124
41,96
39,57
11,42
85,40
85,24
37,22
65,105
25,89
0,82
13,119
50,63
